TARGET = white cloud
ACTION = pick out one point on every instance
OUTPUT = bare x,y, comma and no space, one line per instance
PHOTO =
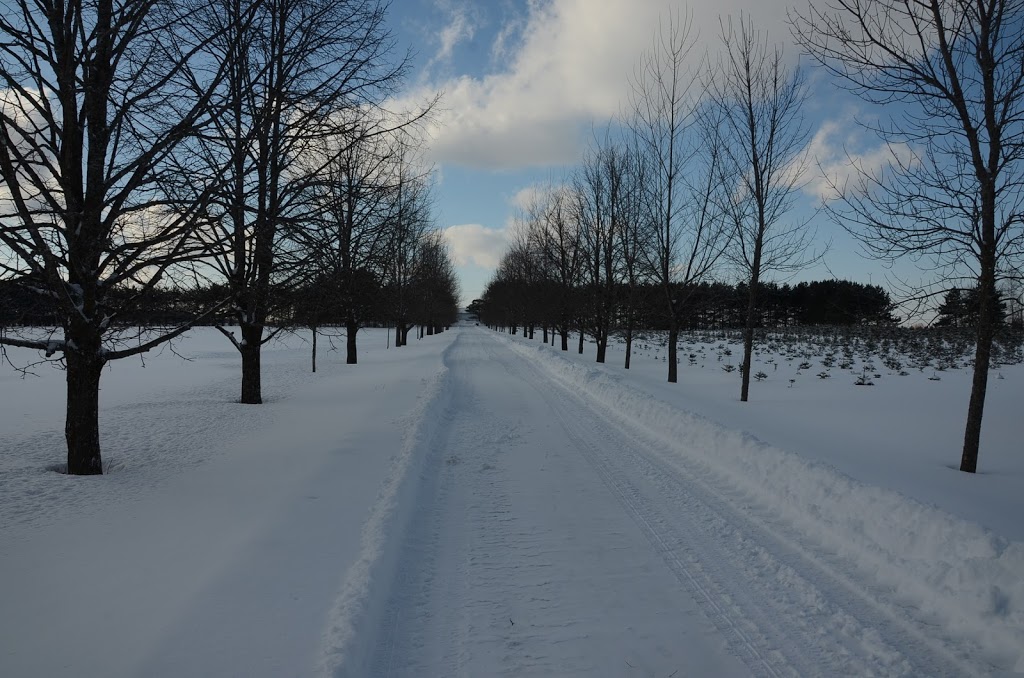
531,195
26,125
460,27
838,164
476,245
570,65
508,38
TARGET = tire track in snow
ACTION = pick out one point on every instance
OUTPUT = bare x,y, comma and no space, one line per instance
465,556
425,564
749,643
361,601
520,562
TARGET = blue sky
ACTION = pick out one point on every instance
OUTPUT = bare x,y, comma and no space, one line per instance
525,81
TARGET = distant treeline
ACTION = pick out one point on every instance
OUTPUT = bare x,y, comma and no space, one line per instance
704,306
318,304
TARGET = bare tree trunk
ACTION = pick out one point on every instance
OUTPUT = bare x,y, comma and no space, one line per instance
580,349
252,337
602,345
748,349
314,348
748,329
629,339
979,388
82,429
673,341
987,299
351,329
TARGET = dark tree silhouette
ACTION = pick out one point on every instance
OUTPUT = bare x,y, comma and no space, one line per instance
296,71
100,107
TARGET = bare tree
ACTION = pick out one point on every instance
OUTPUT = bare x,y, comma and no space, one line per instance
756,119
514,295
599,194
297,68
953,74
359,182
99,108
688,239
435,285
556,237
346,239
527,235
523,267
409,225
633,234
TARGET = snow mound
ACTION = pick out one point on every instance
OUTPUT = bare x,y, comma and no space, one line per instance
956,573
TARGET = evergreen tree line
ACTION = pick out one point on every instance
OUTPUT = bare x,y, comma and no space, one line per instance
307,306
510,305
962,308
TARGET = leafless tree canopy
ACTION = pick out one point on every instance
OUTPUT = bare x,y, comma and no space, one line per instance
153,144
305,87
951,76
100,102
755,117
686,241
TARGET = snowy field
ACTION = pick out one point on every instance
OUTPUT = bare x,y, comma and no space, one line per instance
477,504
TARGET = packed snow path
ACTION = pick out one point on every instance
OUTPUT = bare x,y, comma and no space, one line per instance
547,541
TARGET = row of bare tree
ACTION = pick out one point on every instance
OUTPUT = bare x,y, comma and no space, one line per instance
703,169
697,176
148,145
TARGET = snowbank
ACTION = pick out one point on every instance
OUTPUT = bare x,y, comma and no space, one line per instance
968,579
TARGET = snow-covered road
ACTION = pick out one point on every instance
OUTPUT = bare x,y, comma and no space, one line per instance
470,505
548,541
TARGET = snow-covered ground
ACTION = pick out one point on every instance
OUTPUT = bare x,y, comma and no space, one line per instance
476,504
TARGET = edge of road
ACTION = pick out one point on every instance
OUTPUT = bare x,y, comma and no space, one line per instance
363,593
